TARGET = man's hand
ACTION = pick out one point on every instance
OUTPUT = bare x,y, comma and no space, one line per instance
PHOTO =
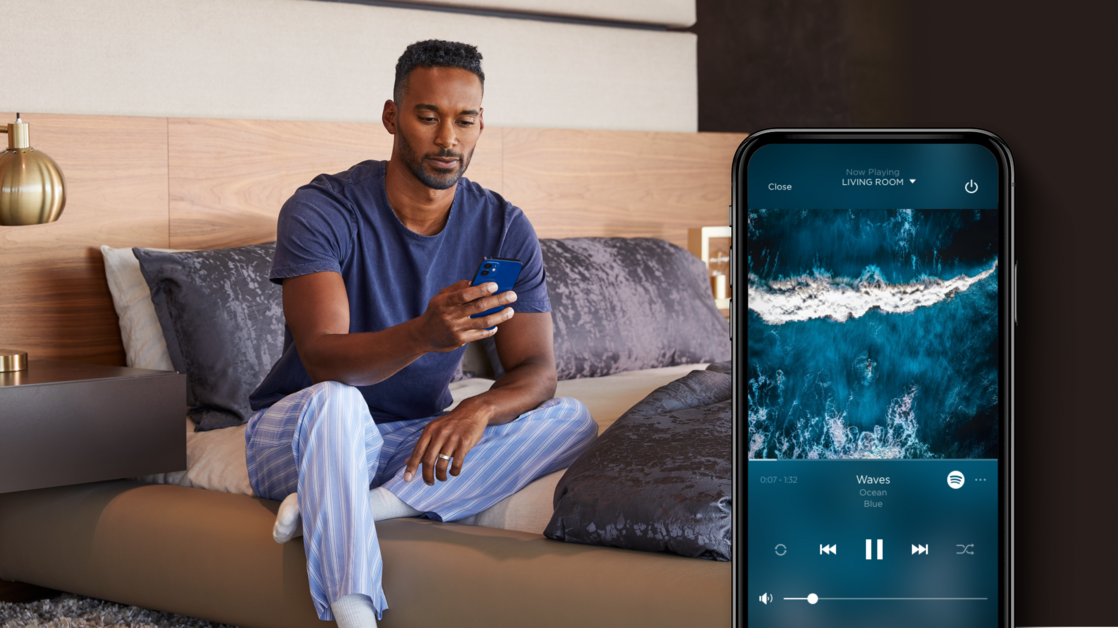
454,434
446,325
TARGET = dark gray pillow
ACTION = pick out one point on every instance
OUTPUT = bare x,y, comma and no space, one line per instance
659,478
624,304
223,322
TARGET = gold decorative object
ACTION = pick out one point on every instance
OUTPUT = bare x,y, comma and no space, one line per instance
32,190
720,286
712,245
12,360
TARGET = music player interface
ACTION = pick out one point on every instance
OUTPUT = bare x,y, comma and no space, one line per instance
873,386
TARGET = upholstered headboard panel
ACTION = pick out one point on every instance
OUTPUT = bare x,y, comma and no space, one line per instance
205,183
675,13
300,60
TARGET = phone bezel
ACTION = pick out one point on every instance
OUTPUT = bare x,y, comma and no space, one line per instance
1007,321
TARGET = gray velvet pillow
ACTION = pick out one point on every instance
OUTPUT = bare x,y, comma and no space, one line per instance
223,322
624,304
659,479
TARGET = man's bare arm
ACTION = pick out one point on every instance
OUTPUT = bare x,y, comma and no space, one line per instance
524,345
316,308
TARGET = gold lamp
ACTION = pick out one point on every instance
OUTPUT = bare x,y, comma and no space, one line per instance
32,190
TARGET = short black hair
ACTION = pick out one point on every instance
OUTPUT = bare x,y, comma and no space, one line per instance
435,53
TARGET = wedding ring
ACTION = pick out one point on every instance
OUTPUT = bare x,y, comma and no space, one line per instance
445,457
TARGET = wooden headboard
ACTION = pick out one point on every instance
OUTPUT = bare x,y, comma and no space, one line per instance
187,183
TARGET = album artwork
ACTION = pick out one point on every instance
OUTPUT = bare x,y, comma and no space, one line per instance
873,333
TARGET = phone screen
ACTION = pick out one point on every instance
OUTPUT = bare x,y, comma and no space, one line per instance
877,379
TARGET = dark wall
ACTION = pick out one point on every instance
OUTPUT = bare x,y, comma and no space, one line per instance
1041,75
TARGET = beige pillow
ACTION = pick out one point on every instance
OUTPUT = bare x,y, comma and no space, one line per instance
144,344
527,510
216,459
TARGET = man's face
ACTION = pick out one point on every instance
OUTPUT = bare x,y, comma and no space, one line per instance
438,124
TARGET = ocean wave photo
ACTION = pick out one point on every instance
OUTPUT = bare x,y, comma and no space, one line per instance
872,334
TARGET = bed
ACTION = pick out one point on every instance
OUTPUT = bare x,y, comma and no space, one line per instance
195,541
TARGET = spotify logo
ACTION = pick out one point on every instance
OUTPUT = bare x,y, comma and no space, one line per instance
955,479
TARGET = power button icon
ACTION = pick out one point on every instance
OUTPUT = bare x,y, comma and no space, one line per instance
971,187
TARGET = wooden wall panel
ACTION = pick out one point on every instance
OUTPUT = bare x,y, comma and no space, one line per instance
229,178
487,167
54,301
192,183
619,183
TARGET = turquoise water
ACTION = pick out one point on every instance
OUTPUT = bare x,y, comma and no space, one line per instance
873,334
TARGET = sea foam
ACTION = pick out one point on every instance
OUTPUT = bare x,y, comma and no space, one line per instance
819,295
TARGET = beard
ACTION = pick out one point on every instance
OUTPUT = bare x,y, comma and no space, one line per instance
436,179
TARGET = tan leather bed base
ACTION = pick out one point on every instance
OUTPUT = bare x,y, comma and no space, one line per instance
211,555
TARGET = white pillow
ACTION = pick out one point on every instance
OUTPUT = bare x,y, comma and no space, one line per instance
144,344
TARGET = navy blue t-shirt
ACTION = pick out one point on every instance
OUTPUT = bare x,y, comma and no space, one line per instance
343,223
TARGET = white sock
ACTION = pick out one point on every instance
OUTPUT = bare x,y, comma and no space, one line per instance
386,505
354,611
288,522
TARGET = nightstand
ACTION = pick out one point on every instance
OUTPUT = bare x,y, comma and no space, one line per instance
70,423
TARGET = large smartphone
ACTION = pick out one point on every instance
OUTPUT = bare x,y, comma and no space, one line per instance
873,351
503,272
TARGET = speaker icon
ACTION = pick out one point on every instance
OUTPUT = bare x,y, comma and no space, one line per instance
766,598
955,479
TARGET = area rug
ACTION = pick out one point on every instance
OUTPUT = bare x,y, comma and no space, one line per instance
74,611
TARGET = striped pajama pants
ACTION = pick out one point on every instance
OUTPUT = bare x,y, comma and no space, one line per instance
323,443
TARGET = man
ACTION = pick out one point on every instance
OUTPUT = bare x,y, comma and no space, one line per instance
373,263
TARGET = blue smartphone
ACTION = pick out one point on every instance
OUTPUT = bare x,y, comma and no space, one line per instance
503,272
